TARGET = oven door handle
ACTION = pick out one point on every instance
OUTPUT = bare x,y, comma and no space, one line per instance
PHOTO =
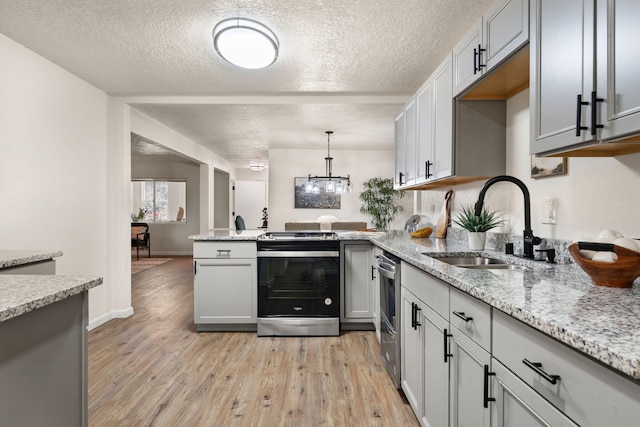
298,254
386,270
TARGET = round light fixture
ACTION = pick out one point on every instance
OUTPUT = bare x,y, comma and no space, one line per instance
245,43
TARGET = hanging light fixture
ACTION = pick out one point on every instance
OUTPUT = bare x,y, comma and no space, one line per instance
332,184
245,43
256,166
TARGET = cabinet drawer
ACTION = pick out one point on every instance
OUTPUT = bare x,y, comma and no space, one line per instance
224,249
588,392
427,288
472,317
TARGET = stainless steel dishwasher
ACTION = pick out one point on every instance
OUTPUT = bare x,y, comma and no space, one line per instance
389,272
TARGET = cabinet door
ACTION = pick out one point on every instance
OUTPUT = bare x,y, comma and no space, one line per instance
517,405
465,59
401,152
410,142
618,33
376,289
358,297
562,70
425,125
467,382
411,374
505,29
225,291
442,121
436,369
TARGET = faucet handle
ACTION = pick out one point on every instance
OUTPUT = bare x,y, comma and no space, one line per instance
550,253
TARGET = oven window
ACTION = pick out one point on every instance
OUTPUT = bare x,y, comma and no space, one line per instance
302,286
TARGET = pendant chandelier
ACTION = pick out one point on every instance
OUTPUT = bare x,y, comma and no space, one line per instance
330,183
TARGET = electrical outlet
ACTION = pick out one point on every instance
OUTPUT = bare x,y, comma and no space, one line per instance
549,211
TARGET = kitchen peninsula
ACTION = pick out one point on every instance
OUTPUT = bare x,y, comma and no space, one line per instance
586,334
43,356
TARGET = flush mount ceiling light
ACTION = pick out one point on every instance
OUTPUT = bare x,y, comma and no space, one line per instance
331,184
256,166
245,43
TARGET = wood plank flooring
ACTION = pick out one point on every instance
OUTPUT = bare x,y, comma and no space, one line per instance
154,369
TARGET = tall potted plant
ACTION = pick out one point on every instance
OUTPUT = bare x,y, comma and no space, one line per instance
379,202
477,226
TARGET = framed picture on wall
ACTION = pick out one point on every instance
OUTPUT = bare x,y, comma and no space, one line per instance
543,167
321,200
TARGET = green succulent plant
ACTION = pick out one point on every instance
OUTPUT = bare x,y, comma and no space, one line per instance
467,219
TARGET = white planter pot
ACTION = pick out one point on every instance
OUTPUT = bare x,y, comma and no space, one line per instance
476,240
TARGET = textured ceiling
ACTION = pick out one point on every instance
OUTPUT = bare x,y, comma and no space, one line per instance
162,49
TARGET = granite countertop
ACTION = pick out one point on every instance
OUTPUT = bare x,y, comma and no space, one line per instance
14,258
20,294
228,234
558,299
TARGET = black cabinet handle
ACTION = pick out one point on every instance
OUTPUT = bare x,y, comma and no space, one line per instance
400,175
579,127
537,367
195,267
373,272
475,61
447,355
480,64
461,315
413,315
594,113
418,309
427,166
486,398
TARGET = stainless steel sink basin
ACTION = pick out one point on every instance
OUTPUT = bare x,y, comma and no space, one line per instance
478,263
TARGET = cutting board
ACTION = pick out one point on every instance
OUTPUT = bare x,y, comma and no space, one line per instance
443,219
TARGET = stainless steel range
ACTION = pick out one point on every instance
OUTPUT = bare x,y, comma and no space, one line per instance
298,284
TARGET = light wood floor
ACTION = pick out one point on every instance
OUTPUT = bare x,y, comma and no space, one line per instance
153,369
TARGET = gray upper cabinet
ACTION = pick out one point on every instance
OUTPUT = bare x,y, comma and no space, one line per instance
562,40
405,135
581,102
434,148
501,31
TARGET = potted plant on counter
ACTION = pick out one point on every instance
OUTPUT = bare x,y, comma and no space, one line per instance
477,226
379,202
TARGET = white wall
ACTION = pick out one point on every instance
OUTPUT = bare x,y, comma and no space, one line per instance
285,165
597,193
172,238
53,166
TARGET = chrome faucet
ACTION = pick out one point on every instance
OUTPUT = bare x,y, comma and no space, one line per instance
529,239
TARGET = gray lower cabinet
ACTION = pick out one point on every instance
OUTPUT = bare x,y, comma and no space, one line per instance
225,286
411,344
583,390
375,251
436,369
517,404
359,286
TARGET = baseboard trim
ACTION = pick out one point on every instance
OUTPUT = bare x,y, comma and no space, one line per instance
114,314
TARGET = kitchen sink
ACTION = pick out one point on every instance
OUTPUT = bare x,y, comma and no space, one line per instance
477,262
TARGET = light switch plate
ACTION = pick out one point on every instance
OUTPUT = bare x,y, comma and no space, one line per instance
549,211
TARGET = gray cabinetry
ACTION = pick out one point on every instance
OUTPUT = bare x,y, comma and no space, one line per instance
358,291
225,285
517,405
406,146
411,365
502,30
586,392
584,92
434,148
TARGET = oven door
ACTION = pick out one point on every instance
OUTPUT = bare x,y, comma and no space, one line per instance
298,284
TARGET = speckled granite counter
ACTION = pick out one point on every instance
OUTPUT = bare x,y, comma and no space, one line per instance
13,258
228,234
20,294
559,300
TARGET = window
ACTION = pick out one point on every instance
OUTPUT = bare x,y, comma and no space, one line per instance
158,200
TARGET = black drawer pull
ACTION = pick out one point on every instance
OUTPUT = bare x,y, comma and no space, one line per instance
486,398
447,355
461,315
373,272
537,367
427,166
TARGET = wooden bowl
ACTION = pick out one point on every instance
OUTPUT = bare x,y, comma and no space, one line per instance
619,274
